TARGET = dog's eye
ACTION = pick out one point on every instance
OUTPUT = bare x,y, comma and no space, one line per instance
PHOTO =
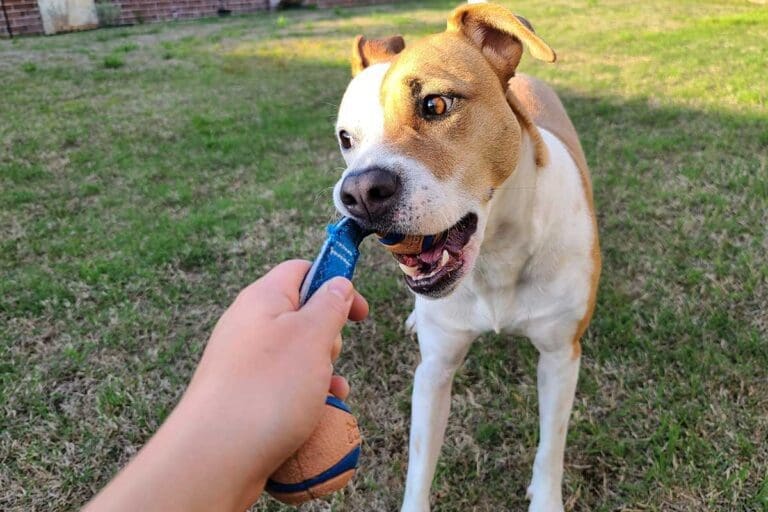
436,105
345,139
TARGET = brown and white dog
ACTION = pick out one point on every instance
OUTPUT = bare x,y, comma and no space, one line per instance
443,137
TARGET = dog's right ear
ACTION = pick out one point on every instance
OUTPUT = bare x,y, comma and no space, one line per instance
367,52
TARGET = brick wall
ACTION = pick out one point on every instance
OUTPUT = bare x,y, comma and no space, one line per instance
23,17
3,24
344,3
144,11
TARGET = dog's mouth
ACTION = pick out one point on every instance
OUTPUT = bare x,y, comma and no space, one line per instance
437,268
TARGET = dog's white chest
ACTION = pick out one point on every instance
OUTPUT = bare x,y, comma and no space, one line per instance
493,292
512,307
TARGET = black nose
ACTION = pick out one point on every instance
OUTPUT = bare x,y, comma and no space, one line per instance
370,193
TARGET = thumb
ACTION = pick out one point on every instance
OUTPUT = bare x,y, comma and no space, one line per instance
326,312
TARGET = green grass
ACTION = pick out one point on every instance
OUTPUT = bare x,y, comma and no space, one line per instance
114,61
137,199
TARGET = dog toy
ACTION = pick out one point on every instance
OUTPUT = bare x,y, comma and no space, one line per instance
409,244
325,463
328,460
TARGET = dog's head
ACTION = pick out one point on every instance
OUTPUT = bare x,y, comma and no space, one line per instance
428,135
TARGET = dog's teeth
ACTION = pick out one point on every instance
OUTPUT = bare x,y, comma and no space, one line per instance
425,276
413,272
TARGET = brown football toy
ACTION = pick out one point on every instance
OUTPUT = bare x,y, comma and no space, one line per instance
325,463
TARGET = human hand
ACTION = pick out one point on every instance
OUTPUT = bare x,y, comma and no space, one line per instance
255,397
271,361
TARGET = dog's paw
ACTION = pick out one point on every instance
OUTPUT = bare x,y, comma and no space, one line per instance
542,501
410,323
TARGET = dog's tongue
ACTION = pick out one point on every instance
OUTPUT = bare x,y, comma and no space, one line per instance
423,260
432,255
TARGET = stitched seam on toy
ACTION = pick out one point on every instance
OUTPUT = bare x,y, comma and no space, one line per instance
341,257
346,250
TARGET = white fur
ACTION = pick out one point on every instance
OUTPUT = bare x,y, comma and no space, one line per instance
531,278
360,112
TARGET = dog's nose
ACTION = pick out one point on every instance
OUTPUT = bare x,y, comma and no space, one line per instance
370,193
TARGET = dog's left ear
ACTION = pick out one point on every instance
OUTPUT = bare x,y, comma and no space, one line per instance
500,36
367,52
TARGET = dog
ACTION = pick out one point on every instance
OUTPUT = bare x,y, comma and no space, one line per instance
445,138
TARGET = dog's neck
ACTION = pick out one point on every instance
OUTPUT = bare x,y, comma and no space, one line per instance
509,236
510,223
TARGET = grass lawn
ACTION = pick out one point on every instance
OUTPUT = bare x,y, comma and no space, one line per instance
149,173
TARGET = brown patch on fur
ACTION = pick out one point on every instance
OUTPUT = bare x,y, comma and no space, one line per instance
546,110
479,136
594,279
367,52
576,349
541,156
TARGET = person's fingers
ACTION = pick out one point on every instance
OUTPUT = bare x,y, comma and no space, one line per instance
326,312
336,349
359,308
277,291
287,278
339,387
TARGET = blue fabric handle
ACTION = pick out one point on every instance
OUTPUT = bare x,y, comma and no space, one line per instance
337,257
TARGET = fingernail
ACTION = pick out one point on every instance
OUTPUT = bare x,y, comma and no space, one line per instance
341,287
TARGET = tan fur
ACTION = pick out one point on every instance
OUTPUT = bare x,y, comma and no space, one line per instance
526,121
451,143
546,110
543,106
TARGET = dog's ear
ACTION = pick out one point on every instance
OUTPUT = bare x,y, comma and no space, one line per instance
367,52
500,35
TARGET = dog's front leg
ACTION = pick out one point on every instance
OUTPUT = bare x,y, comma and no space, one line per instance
442,351
557,373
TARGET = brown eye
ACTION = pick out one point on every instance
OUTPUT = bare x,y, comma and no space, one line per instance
345,139
435,105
